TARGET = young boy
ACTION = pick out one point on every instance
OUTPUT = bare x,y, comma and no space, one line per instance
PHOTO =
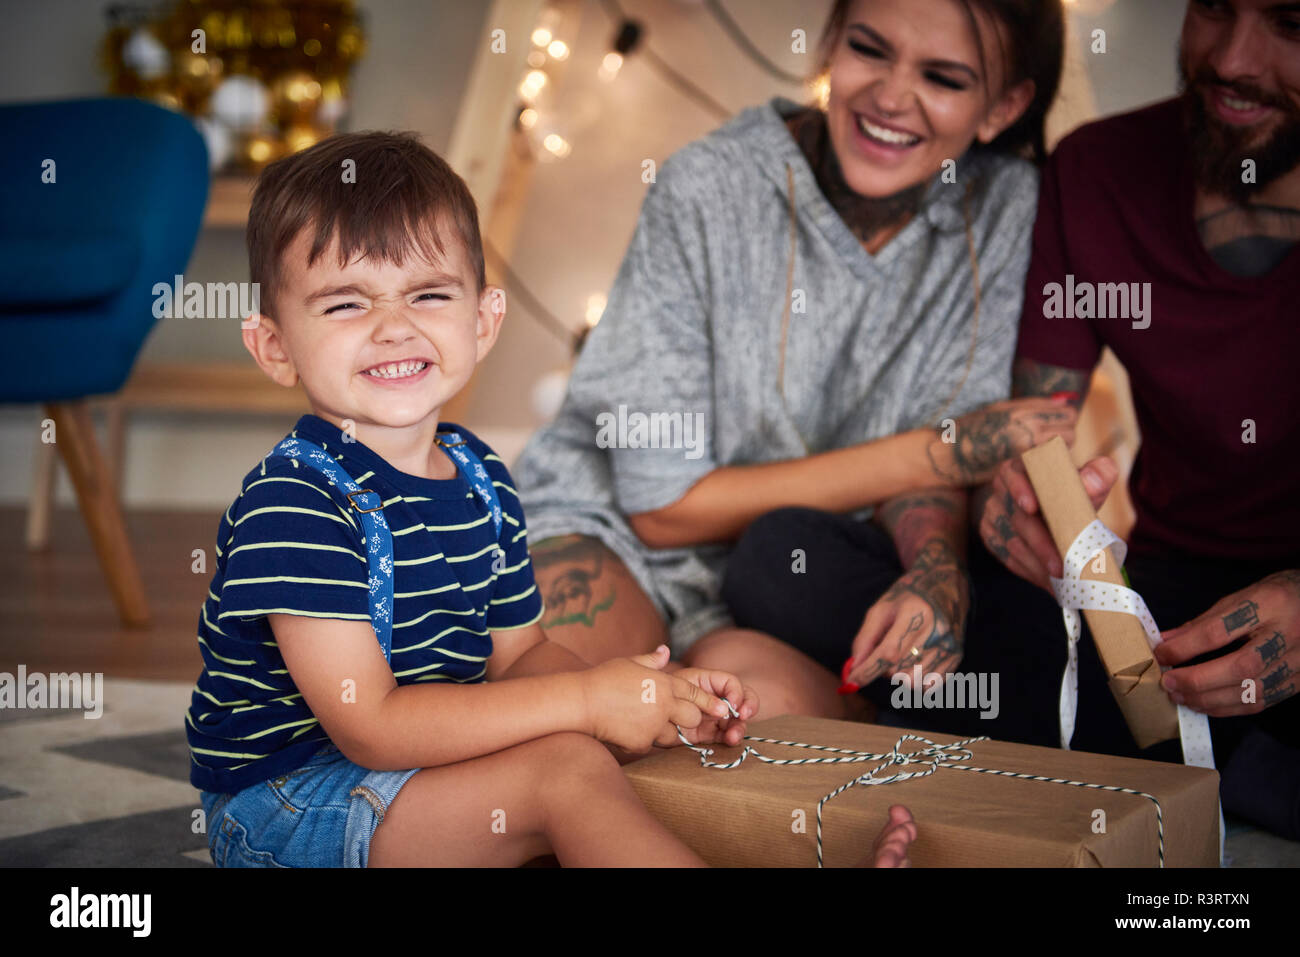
376,688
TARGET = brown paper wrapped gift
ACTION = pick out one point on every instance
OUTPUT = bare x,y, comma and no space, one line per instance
750,816
1121,643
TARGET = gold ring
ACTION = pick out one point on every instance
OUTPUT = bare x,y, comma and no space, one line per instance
915,653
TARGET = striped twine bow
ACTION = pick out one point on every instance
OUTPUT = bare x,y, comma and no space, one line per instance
933,755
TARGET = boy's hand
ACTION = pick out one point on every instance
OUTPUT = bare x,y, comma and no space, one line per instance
728,730
633,704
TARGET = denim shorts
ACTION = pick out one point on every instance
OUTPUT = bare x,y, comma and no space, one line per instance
322,814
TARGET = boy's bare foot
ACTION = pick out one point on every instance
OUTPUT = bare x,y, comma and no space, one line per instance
890,849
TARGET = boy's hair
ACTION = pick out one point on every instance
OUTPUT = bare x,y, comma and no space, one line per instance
401,195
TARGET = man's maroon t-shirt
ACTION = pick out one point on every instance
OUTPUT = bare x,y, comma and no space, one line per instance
1215,376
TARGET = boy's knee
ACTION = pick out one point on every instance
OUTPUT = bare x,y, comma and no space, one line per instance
567,758
571,745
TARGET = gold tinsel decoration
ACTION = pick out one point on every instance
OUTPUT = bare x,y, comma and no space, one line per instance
300,51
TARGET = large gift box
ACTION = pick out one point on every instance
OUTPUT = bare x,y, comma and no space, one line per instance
1016,811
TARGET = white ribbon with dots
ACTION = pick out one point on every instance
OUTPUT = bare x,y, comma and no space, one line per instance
1074,594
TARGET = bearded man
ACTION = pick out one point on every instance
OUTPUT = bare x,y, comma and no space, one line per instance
1200,197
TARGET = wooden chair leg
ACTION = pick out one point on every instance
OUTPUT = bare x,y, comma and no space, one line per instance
41,501
115,419
97,494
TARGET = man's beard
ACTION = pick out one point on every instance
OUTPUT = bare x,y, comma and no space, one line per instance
1219,151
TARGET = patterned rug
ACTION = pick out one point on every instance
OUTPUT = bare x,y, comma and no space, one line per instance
114,791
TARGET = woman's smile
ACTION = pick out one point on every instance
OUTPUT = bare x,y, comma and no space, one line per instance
882,142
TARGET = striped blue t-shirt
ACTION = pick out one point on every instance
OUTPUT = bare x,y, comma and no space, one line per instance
285,546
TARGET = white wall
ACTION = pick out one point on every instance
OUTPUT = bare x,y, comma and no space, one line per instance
577,214
412,77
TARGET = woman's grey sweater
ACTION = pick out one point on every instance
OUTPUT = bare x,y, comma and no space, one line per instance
692,330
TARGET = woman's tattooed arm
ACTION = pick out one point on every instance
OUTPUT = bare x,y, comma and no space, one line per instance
1030,379
929,530
913,519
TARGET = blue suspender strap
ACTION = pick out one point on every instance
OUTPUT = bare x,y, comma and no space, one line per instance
368,507
472,468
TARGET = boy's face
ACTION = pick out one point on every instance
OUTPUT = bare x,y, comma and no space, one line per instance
340,330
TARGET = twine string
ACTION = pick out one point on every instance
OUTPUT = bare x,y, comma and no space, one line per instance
929,759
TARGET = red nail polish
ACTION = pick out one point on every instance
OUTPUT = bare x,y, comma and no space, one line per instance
1065,397
849,688
844,672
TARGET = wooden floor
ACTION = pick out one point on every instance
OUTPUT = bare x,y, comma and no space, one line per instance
56,613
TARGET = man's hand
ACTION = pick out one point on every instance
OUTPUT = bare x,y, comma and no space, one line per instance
1267,616
921,620
1013,529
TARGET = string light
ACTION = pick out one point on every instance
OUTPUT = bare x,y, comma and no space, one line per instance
557,145
540,130
628,39
532,85
595,308
821,91
609,67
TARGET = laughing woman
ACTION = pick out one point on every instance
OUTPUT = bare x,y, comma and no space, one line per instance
836,292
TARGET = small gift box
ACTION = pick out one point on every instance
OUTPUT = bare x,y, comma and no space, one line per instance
977,802
1122,642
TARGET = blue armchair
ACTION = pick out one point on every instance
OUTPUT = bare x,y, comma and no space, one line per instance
102,198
